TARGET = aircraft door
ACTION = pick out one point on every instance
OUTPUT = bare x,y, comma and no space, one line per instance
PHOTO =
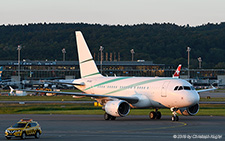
164,89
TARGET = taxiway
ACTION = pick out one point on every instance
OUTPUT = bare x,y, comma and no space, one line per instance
132,128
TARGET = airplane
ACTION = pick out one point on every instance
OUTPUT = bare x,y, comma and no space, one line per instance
17,93
119,94
7,82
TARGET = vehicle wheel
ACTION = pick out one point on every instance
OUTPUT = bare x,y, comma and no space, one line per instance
37,135
152,115
106,116
8,138
158,115
23,136
113,118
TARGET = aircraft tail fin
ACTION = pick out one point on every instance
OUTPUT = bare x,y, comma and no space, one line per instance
177,72
88,67
1,70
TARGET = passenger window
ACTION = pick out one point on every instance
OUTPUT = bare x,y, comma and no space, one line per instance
175,88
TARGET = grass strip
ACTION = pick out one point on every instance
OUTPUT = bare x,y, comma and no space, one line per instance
89,109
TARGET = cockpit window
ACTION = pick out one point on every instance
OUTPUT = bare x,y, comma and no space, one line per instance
184,88
176,88
180,88
187,88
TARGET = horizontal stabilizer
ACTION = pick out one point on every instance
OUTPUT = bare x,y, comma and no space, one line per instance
67,83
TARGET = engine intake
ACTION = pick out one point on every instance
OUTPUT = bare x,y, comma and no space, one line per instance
117,108
189,111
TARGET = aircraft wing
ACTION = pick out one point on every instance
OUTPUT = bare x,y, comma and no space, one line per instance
206,90
66,83
131,100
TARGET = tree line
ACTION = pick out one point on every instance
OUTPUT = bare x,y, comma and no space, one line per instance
164,43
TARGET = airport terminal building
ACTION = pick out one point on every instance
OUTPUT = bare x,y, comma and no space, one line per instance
37,70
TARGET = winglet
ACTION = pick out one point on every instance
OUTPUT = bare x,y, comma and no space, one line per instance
177,72
11,90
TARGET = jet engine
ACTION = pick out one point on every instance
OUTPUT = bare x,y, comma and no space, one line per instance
117,108
189,111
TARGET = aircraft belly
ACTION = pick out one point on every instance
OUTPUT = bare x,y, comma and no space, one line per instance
143,102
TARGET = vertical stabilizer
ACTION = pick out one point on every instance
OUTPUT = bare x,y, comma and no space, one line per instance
88,67
177,72
1,69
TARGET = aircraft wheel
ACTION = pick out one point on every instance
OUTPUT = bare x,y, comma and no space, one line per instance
175,118
107,116
152,115
113,118
158,115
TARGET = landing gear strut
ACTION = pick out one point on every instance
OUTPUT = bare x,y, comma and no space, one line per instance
174,116
155,114
109,117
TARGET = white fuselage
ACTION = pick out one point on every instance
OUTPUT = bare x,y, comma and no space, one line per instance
157,92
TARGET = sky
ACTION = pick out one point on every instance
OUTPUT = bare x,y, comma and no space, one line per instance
112,12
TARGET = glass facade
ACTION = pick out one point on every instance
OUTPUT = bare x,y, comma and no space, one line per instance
35,70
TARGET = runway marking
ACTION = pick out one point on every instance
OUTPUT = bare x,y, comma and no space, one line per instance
147,129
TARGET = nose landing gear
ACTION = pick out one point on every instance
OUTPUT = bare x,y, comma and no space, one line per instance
174,116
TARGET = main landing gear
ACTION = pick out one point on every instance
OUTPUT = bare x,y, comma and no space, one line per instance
174,116
155,114
109,117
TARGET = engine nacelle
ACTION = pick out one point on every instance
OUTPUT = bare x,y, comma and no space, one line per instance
189,111
118,108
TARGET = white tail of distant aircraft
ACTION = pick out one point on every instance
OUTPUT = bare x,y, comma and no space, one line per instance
119,94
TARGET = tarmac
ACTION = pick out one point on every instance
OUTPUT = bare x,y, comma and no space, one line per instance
132,128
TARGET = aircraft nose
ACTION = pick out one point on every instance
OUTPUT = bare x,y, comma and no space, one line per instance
194,98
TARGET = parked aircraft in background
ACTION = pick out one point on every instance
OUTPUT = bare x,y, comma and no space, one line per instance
8,82
119,94
17,93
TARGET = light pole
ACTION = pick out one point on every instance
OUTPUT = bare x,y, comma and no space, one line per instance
101,49
188,50
132,52
64,54
19,48
200,61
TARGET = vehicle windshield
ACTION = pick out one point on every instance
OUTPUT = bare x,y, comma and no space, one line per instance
19,125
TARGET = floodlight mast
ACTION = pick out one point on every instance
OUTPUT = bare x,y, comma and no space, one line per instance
19,47
188,50
64,54
132,53
101,49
